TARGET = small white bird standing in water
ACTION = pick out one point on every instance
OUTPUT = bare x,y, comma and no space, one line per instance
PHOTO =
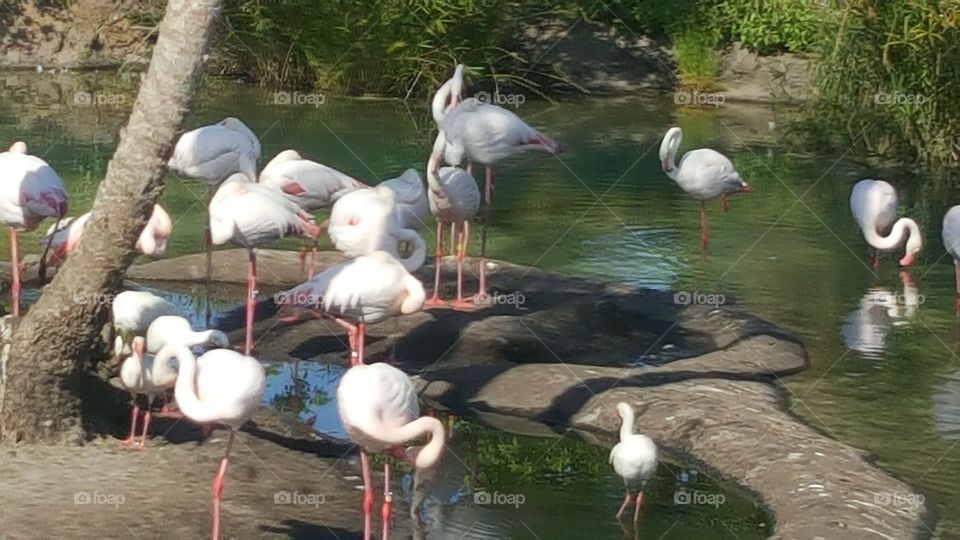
634,459
379,409
874,207
951,241
703,173
223,387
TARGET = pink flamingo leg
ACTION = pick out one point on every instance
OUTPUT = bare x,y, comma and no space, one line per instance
636,510
303,261
218,488
146,426
460,302
251,303
15,271
386,511
435,299
135,412
313,258
487,202
704,226
453,238
353,335
367,504
623,507
361,341
725,202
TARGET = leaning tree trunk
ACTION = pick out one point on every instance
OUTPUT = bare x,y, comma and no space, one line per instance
44,370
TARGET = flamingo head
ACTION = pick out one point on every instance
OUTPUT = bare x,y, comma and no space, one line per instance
19,147
914,246
624,410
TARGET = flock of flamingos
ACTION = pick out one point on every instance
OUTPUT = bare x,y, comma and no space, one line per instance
376,229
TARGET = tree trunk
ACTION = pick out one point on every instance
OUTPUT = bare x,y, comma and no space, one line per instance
44,374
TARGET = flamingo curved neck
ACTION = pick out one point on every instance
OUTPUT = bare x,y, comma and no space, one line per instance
431,452
668,154
416,259
898,234
626,427
186,387
438,107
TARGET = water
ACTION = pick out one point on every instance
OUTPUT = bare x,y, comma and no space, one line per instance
883,374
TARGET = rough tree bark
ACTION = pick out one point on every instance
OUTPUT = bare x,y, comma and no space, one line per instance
42,375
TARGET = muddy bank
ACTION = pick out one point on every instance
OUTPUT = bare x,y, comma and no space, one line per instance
282,483
703,380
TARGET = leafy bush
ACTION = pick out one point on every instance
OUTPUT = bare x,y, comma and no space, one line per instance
771,25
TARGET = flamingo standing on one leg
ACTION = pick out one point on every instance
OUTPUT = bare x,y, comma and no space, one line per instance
211,154
223,387
30,190
379,409
142,374
634,459
365,290
309,184
874,207
368,220
455,199
703,173
251,215
951,241
487,134
152,242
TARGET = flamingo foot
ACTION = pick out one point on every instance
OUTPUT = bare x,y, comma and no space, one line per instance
623,507
435,301
463,304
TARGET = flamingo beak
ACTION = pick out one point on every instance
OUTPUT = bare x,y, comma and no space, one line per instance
666,166
908,259
747,188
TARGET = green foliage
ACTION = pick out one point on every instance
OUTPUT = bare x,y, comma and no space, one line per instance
771,25
697,59
889,82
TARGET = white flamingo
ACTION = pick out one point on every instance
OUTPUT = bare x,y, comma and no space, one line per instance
379,409
486,134
133,311
251,216
143,374
362,291
703,173
223,387
175,330
634,459
367,220
212,154
951,241
152,242
412,208
874,207
30,191
309,184
455,199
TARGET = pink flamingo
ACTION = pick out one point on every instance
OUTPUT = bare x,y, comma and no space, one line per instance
703,173
30,191
487,134
152,242
634,459
455,199
251,215
309,184
211,154
874,207
369,220
142,374
379,409
222,387
365,290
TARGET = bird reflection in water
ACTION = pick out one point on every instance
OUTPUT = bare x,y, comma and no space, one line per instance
867,328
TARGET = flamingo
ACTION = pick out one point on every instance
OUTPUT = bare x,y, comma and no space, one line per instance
703,173
133,311
378,407
634,459
30,190
487,134
309,184
951,241
251,215
874,207
175,330
358,292
152,242
368,220
455,199
142,374
223,387
412,208
211,154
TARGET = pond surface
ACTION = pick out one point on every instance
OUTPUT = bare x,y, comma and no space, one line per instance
883,371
